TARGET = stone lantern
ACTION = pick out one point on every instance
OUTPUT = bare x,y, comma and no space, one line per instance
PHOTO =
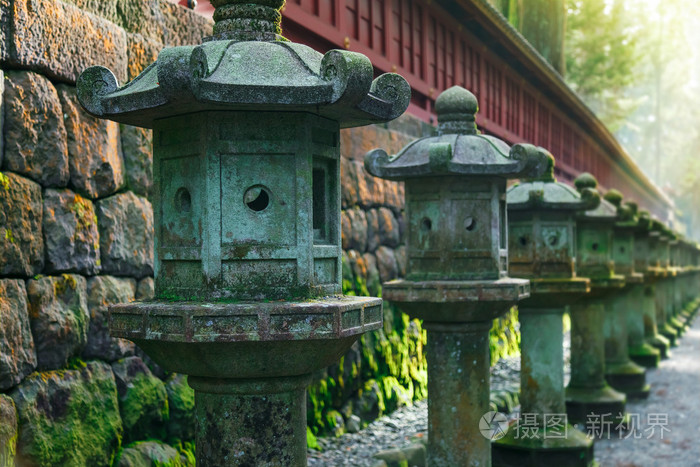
620,371
640,350
653,275
542,247
456,277
247,213
589,394
676,318
660,254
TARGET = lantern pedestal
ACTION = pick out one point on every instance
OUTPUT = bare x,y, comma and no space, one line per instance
457,316
640,352
620,371
249,364
542,383
665,329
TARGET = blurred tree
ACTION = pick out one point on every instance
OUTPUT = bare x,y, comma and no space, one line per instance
602,51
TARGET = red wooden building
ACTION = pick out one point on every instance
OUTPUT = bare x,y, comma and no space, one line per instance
435,44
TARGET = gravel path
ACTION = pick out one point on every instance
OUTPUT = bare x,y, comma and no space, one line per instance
674,406
675,399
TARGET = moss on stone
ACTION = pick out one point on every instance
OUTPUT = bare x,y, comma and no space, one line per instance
144,408
4,181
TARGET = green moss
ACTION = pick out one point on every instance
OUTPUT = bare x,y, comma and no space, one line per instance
9,237
144,408
88,432
311,441
4,181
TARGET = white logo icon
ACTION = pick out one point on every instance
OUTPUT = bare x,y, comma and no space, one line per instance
493,425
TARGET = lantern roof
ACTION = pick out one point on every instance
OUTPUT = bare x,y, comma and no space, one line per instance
457,149
545,193
247,65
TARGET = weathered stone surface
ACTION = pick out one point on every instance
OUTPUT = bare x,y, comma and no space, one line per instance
94,147
373,234
181,405
35,137
68,417
386,264
145,289
142,52
394,195
138,158
17,357
70,233
8,431
5,12
61,40
102,292
155,19
21,239
388,228
59,318
143,401
358,222
148,453
2,92
126,235
356,142
370,402
357,264
182,26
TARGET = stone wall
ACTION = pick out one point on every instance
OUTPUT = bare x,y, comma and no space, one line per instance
76,233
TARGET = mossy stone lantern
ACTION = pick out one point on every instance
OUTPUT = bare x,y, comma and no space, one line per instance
661,256
654,274
542,248
620,371
676,319
588,394
247,213
456,278
642,313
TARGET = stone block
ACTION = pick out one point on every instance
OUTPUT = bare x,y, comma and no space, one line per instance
103,291
59,318
345,231
389,233
138,158
394,195
400,255
70,233
143,400
94,149
61,40
142,51
2,108
21,239
358,222
348,183
5,16
374,282
68,417
17,356
8,431
34,133
182,26
386,264
126,235
148,453
373,240
145,290
181,406
356,142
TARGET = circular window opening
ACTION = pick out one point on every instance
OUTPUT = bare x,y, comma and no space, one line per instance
183,200
553,240
257,198
426,225
470,224
595,247
523,241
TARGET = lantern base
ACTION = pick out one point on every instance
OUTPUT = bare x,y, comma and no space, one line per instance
645,355
628,378
593,406
574,449
660,343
